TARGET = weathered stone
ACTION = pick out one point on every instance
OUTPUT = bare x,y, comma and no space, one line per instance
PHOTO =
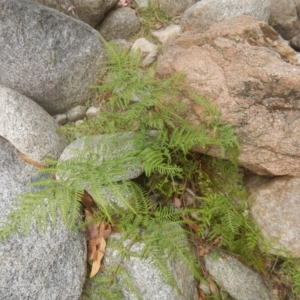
275,209
242,65
61,119
47,56
148,50
284,18
106,147
28,127
92,112
121,23
172,7
89,11
167,34
49,266
142,3
76,113
143,272
209,12
295,42
239,281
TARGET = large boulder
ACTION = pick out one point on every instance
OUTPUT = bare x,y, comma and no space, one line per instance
239,281
89,11
244,67
209,12
275,207
27,126
35,266
46,55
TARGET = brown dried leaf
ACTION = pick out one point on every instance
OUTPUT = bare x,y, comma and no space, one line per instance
212,286
97,261
176,202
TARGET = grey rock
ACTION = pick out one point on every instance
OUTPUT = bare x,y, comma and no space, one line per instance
173,8
275,209
284,18
167,34
239,281
61,119
28,127
104,148
295,42
142,3
79,122
92,112
46,55
76,113
122,43
209,12
121,23
145,276
148,50
36,266
88,11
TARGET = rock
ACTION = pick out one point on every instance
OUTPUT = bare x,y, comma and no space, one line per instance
142,3
146,277
50,266
76,113
173,8
79,122
275,209
47,56
89,11
106,147
284,18
295,42
92,112
209,12
61,119
167,34
239,281
242,65
121,23
28,127
148,50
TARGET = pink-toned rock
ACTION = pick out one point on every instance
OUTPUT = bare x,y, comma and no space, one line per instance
275,209
252,75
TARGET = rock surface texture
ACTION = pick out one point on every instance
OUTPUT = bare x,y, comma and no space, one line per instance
47,56
27,126
121,23
209,12
146,277
89,11
284,18
49,266
275,209
246,69
238,280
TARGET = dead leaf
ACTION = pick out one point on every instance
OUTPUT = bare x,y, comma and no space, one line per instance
212,286
97,261
87,201
201,295
191,224
28,160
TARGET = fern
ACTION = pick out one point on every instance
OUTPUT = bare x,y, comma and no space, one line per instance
162,142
